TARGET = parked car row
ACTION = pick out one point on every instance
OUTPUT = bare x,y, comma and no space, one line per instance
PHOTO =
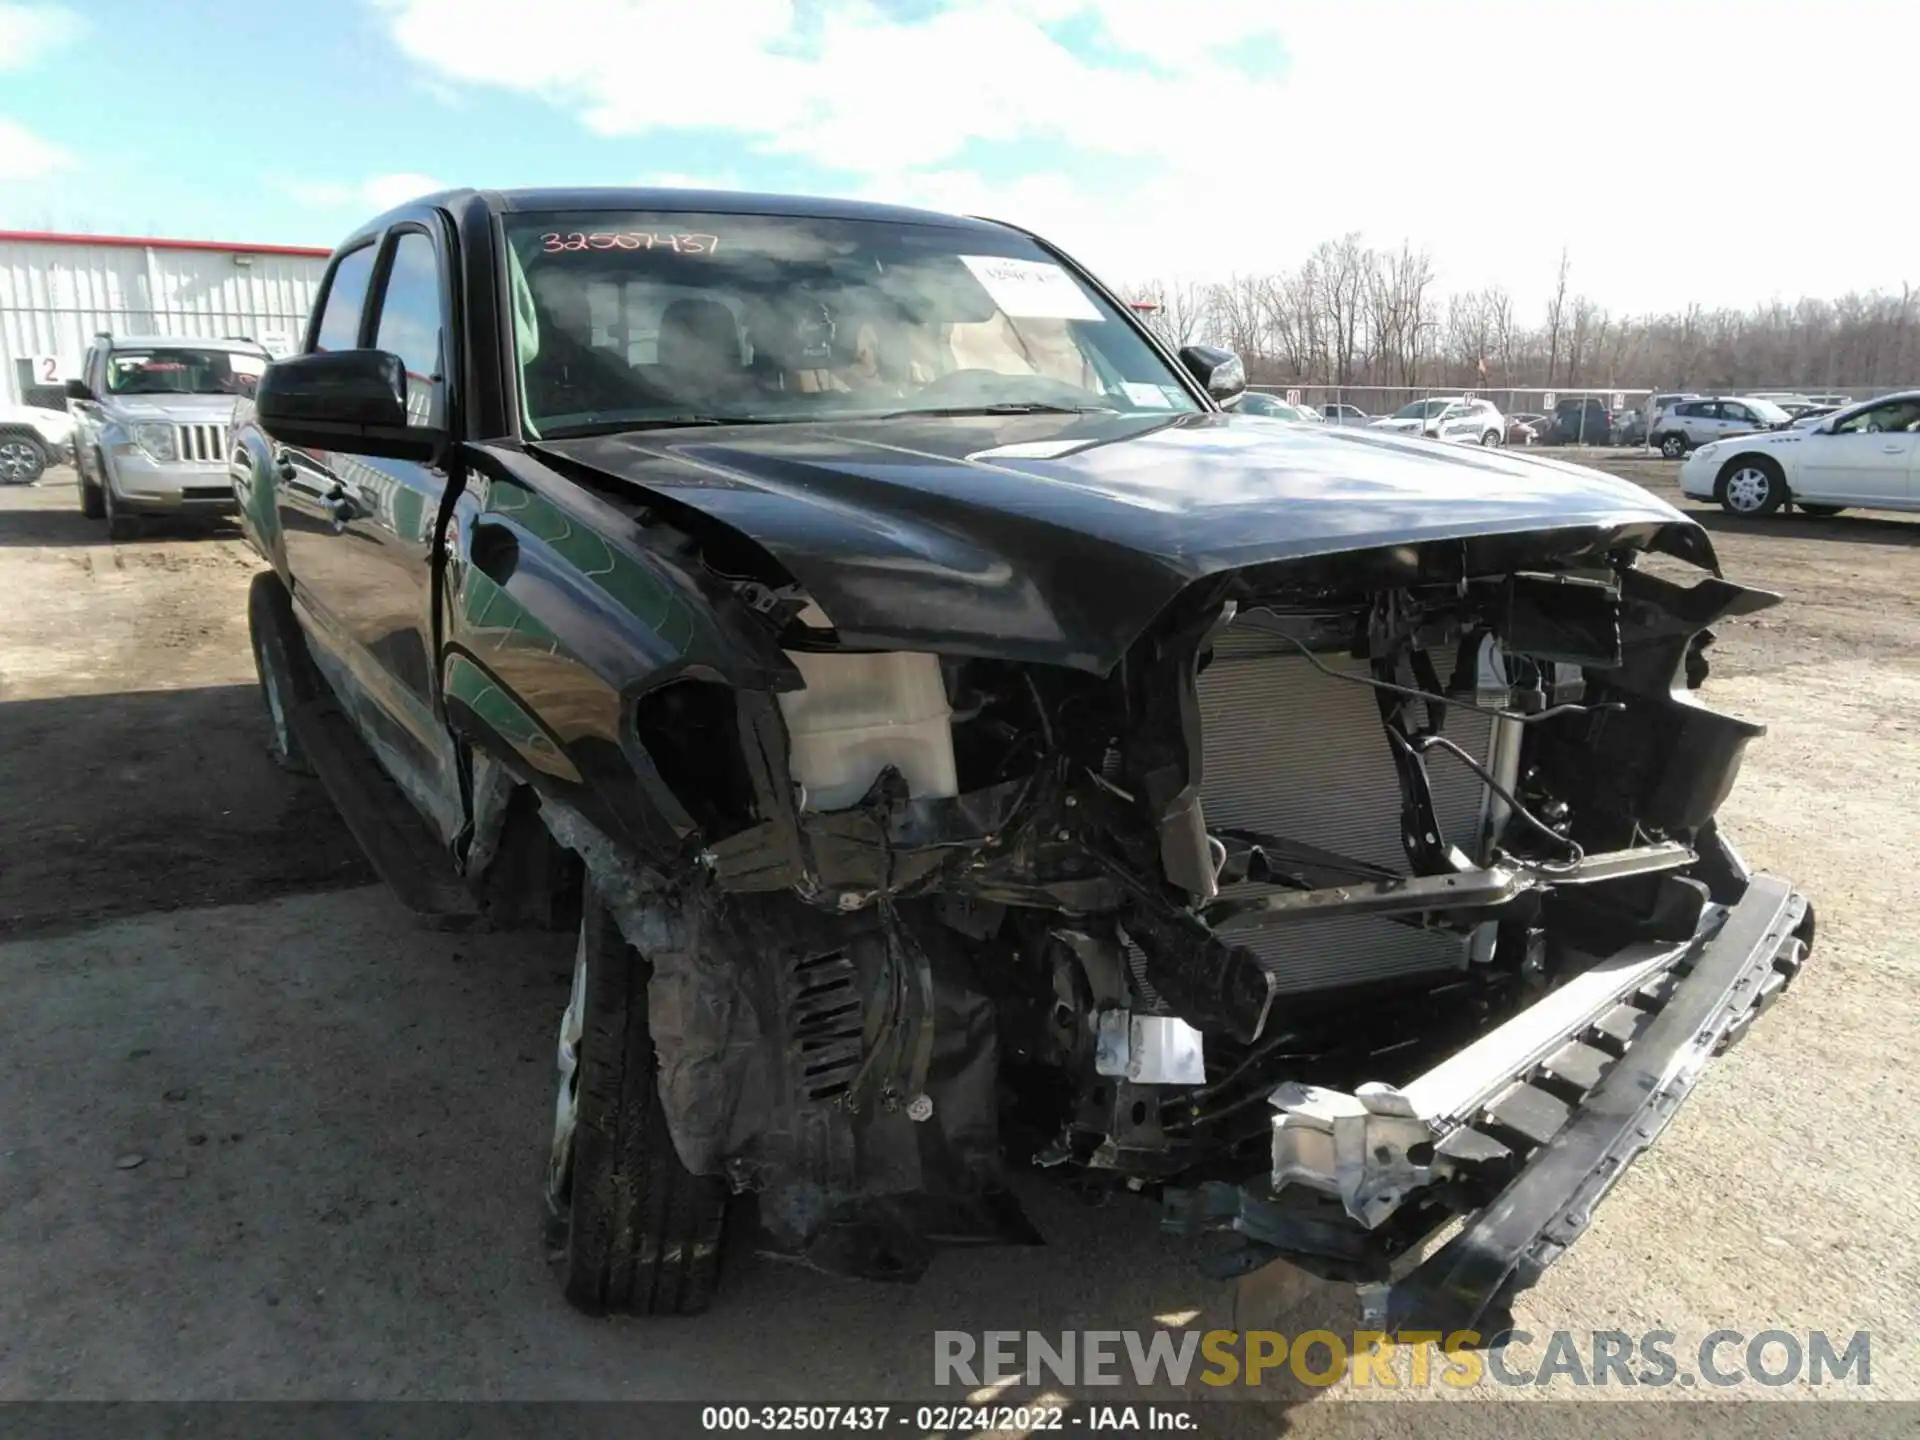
1262,402
1456,418
1675,422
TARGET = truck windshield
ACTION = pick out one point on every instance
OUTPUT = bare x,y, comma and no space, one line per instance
180,371
632,320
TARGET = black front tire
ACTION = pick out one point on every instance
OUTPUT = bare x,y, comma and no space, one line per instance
120,524
287,676
93,504
630,1230
1674,447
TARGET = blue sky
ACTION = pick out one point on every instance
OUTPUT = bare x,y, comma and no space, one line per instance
1184,139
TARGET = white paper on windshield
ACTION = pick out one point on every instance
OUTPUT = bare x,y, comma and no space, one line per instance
1031,289
1029,450
1148,397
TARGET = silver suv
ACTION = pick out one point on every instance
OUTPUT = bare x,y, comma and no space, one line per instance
1693,423
150,425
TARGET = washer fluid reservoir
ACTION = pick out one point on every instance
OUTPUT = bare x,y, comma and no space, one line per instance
862,713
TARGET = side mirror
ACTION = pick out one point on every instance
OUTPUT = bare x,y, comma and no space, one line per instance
79,390
1219,370
349,400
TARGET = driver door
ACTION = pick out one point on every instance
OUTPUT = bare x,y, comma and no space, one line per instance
308,486
360,529
1868,459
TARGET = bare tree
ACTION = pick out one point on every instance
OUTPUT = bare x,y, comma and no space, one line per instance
1500,315
1341,272
1237,312
1556,317
1585,330
1177,313
1397,304
1350,315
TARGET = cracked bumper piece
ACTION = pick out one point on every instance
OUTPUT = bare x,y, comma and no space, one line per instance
1541,1116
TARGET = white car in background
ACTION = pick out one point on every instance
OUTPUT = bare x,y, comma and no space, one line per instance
1452,418
1258,402
1866,455
1693,423
30,440
1336,413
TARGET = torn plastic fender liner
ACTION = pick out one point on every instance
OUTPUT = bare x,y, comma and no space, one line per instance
707,1033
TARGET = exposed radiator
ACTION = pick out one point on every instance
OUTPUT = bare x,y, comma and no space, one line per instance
1295,753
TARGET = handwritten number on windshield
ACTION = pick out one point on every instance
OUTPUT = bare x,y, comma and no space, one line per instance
554,243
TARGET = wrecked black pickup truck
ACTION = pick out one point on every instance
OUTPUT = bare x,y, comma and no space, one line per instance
960,746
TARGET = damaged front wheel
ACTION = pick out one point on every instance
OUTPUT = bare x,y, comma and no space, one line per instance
629,1228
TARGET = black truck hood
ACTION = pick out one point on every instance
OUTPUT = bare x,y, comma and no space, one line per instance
1060,537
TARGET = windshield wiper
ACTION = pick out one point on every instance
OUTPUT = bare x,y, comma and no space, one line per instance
1010,407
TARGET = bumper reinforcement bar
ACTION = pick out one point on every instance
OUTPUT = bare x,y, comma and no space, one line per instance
1508,1244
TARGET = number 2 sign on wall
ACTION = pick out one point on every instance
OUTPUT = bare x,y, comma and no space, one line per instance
46,369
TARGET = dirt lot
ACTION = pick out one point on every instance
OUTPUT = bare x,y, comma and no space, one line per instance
337,1116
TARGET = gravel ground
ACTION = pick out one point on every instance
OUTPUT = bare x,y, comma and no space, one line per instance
337,1116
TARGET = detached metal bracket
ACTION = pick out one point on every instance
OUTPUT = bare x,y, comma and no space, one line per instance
1463,890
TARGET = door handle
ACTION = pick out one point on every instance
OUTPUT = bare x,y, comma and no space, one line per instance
1893,449
341,509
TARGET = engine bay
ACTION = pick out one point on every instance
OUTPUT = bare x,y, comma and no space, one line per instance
1213,913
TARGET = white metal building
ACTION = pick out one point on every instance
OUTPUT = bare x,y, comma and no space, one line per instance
58,291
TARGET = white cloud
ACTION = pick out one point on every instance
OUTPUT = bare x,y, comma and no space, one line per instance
26,156
372,195
29,32
1491,131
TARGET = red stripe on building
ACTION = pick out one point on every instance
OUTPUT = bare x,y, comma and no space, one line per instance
141,242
